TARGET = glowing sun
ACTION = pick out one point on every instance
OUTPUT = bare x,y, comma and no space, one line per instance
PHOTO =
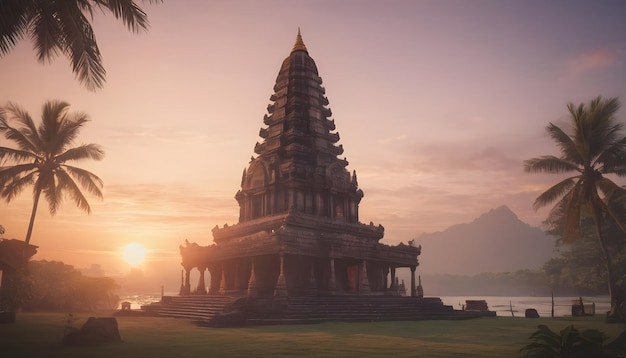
134,254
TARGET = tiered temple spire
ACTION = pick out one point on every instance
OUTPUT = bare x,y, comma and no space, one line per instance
299,230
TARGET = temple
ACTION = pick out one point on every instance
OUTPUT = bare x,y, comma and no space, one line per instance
299,232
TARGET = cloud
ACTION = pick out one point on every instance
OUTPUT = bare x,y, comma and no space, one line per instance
591,61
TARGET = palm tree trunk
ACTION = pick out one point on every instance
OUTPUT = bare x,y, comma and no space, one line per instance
607,261
32,216
617,220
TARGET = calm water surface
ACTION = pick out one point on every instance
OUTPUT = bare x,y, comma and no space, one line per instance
502,305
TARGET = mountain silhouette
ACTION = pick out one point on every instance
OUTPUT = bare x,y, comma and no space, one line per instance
496,241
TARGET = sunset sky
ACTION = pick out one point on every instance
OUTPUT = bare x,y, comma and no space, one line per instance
437,103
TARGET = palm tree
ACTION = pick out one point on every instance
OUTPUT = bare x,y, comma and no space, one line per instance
41,155
58,26
593,148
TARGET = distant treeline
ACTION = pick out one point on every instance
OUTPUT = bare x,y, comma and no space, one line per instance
55,286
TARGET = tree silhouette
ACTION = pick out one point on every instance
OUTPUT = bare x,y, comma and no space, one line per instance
41,156
63,27
593,148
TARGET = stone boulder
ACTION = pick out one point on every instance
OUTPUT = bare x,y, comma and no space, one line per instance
531,313
95,331
7,317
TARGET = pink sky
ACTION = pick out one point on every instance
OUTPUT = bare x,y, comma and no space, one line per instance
437,103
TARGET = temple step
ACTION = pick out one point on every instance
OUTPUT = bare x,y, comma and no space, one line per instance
310,309
192,307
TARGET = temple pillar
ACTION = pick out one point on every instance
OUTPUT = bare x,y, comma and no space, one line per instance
364,284
187,288
181,291
393,286
281,283
201,289
222,290
237,283
312,281
385,273
420,289
332,284
252,289
413,293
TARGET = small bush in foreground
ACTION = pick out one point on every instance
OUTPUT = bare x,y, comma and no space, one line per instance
572,343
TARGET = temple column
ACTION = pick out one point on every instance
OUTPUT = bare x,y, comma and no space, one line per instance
187,289
364,284
312,281
393,286
252,290
420,289
181,291
222,290
201,289
281,283
237,280
385,273
332,284
413,293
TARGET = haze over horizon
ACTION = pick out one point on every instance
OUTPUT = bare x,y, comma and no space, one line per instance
437,103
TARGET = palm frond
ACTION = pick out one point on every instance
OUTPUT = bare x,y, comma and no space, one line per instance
565,143
79,45
13,23
85,151
59,128
69,130
53,114
67,185
132,16
25,134
14,187
609,188
45,30
47,184
549,164
603,130
555,192
580,127
614,156
15,173
87,180
16,155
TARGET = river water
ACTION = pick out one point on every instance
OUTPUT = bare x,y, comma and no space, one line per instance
543,305
501,305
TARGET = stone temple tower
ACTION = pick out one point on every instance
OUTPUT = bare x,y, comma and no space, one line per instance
297,167
299,231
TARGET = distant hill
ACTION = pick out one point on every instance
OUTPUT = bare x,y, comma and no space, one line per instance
497,241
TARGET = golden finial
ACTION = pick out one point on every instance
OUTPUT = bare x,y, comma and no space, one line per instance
299,45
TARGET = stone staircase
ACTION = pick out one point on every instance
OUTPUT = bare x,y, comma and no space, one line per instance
202,307
308,309
367,308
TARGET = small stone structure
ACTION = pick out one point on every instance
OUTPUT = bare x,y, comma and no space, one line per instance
531,313
476,305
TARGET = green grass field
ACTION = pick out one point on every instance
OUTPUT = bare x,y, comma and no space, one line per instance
39,335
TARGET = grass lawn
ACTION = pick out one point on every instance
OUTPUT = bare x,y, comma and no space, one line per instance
39,335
